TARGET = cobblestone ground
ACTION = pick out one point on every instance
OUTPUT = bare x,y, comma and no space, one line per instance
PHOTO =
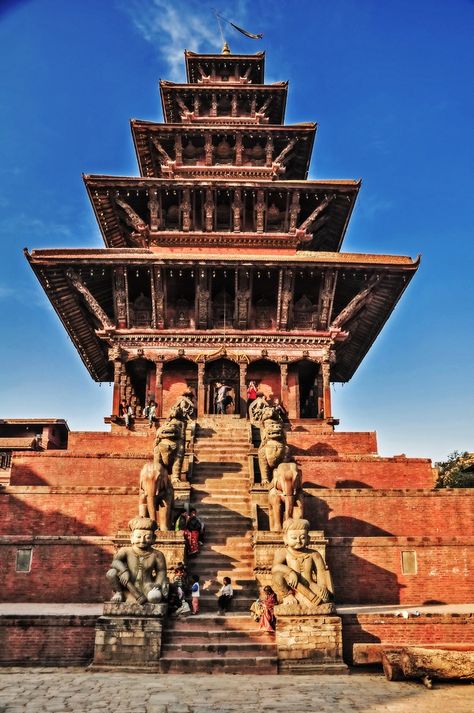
58,691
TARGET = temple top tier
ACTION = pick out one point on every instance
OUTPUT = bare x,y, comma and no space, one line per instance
224,68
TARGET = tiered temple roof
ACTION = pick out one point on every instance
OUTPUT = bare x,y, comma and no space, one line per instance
221,245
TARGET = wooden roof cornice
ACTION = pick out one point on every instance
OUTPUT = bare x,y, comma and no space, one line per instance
121,206
150,161
146,256
273,95
194,60
75,319
367,288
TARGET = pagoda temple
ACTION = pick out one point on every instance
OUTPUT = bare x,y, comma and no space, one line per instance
223,263
222,260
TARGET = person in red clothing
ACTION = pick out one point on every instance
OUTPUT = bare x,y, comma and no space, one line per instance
251,394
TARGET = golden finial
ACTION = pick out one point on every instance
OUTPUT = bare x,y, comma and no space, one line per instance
225,49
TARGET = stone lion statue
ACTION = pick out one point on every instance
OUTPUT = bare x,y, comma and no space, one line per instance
273,449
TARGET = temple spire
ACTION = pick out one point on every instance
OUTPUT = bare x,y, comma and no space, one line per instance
225,48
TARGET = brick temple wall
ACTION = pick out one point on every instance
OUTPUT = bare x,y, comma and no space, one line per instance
69,640
368,570
86,494
46,640
391,629
378,513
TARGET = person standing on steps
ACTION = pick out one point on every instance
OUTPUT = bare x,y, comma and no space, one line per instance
225,596
267,617
195,594
192,532
221,398
251,394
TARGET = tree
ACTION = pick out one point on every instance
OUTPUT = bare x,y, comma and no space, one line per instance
457,471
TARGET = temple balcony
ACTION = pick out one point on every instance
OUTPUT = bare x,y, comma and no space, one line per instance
268,153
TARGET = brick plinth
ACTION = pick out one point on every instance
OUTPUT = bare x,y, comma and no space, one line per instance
424,630
309,643
46,640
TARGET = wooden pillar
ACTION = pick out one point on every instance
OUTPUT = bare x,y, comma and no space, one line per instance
117,383
319,386
200,389
120,297
238,149
159,387
284,384
326,374
243,388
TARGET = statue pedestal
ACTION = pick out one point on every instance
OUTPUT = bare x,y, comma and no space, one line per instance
128,636
309,643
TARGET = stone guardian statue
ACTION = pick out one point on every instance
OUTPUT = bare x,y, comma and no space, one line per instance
138,573
300,576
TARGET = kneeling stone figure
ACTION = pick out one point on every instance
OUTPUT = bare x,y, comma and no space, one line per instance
138,573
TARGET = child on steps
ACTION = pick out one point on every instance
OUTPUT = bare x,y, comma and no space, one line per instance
195,594
225,596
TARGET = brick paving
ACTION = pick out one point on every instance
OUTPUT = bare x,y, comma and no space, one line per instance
61,691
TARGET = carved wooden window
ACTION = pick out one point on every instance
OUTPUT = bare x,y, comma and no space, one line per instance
140,311
409,562
263,313
303,312
23,559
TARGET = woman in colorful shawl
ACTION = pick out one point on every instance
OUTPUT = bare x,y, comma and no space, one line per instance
191,533
267,617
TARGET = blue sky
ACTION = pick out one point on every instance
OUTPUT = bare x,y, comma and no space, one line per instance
390,85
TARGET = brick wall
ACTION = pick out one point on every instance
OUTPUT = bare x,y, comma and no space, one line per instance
56,468
306,440
102,442
390,629
368,570
362,471
66,511
62,570
372,513
46,640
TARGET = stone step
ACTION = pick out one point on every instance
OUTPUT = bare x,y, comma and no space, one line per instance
227,648
260,665
211,622
206,636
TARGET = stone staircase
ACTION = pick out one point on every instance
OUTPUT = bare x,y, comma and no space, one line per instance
208,642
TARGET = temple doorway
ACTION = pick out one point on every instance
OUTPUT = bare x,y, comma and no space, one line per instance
266,376
303,394
223,371
141,375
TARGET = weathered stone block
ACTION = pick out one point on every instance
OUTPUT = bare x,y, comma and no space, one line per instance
129,636
308,640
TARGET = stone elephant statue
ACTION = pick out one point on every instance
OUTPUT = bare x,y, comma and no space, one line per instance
285,497
156,495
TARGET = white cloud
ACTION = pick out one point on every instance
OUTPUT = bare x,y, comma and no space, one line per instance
27,226
172,27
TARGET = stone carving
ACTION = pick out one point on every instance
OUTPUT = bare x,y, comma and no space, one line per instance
256,410
273,449
285,497
300,575
138,573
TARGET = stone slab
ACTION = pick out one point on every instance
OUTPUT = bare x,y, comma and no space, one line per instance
306,642
130,609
